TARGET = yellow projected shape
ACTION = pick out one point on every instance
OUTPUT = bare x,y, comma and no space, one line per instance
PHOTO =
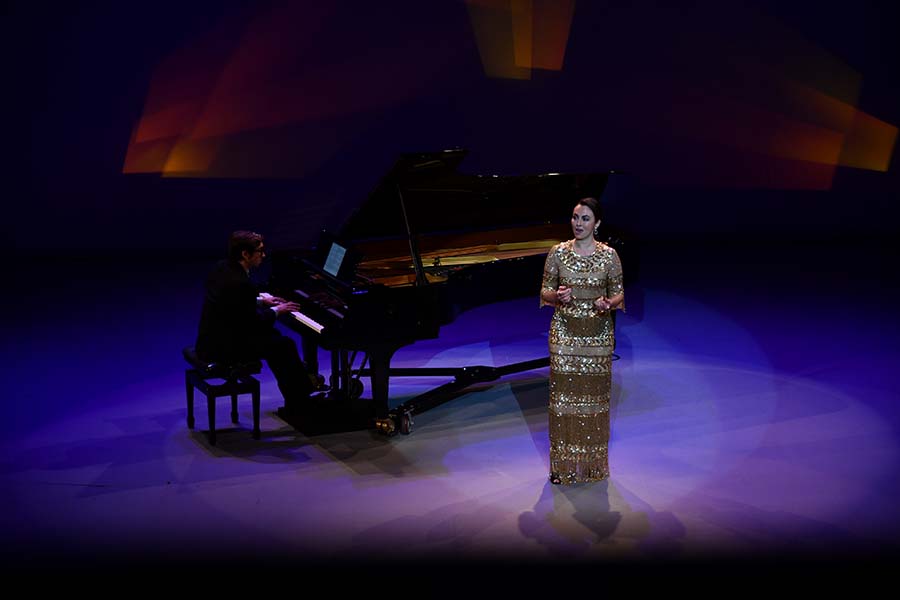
516,36
869,143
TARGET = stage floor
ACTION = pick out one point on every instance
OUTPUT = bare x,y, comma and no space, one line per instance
752,417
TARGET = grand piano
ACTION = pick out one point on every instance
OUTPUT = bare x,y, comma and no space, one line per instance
428,243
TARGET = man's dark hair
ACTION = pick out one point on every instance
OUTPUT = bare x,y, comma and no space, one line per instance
239,241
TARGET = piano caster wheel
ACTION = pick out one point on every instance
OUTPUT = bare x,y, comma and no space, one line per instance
386,426
406,423
356,389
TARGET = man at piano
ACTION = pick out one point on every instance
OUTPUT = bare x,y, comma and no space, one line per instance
237,324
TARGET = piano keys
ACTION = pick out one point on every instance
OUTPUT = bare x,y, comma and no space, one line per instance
310,322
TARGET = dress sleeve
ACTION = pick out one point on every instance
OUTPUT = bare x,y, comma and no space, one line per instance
614,278
551,274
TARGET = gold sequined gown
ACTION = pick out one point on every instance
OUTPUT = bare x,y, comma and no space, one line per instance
581,346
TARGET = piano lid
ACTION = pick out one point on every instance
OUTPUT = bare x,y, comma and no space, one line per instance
438,198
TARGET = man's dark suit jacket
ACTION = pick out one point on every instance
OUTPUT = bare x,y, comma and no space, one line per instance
232,326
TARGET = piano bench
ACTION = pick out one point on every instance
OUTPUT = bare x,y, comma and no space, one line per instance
238,380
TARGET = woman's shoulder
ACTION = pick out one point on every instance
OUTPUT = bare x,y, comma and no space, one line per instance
603,248
561,247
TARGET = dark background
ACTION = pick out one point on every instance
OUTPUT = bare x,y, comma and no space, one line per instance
693,101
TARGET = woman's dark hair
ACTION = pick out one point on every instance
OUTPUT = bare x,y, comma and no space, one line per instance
239,241
592,204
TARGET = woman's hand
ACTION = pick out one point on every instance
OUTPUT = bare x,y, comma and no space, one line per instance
602,304
563,294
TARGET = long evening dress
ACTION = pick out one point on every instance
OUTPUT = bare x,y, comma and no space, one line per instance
581,346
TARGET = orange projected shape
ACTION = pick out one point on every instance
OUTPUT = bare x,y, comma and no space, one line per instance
149,157
258,86
869,143
803,61
783,174
515,36
551,36
384,77
717,166
801,141
183,81
301,149
522,29
286,66
492,25
752,40
175,119
724,120
811,105
763,110
146,157
178,92
191,156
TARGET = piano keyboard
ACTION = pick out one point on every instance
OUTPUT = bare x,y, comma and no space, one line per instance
309,322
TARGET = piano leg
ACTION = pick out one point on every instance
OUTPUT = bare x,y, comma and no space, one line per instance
335,380
310,353
345,373
379,369
342,374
